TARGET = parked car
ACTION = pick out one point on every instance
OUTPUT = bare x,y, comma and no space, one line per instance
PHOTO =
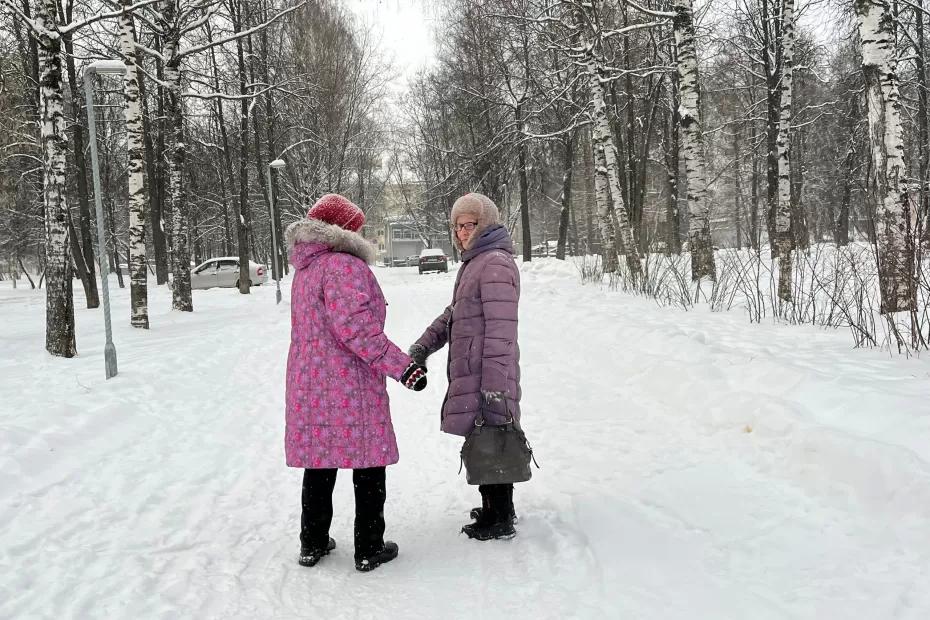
545,249
433,259
224,272
413,261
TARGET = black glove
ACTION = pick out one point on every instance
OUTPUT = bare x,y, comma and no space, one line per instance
418,353
414,378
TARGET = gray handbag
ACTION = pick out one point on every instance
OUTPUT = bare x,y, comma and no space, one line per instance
496,454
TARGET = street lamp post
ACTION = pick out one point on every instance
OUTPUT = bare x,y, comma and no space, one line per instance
275,265
101,66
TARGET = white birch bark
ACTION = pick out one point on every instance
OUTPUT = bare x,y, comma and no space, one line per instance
137,198
692,143
783,212
177,150
59,298
892,212
605,152
602,204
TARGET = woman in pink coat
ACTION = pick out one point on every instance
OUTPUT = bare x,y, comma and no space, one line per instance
338,415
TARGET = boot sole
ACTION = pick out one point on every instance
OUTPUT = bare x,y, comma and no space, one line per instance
508,536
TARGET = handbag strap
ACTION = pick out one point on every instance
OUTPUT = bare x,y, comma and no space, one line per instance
480,421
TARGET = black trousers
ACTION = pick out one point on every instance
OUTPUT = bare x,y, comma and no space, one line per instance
317,509
496,501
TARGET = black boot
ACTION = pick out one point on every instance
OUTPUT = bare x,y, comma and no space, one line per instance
370,563
477,510
501,530
310,556
494,520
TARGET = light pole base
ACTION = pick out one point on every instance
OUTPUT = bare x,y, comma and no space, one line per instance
109,355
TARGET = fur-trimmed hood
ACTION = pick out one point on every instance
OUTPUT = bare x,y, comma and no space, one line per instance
336,238
478,206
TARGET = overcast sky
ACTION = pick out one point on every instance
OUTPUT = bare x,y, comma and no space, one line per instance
404,29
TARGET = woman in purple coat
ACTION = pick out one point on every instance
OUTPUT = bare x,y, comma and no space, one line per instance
480,326
338,415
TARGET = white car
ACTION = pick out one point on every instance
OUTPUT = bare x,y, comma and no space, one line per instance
433,259
224,272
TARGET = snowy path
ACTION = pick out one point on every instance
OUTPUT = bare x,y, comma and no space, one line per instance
693,466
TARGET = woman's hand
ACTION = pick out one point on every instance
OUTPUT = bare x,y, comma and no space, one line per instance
418,353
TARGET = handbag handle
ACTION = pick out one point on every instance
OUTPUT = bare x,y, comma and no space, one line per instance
480,421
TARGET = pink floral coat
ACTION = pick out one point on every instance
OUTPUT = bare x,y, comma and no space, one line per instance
338,413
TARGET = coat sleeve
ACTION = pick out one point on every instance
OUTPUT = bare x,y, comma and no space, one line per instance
347,289
435,336
500,294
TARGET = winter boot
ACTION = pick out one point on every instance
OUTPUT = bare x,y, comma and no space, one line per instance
500,530
309,556
477,510
495,517
387,553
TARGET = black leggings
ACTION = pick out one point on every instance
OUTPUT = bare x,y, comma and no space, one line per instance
317,509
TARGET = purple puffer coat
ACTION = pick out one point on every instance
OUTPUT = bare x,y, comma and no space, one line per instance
338,413
481,329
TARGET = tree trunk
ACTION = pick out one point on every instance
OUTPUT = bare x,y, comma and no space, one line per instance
524,190
84,256
244,219
138,277
771,65
155,173
568,144
153,180
269,127
59,299
738,188
892,213
590,203
701,246
800,223
226,173
604,220
841,228
672,166
260,169
783,238
607,170
179,254
923,139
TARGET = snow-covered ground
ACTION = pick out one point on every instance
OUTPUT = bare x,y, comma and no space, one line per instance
693,466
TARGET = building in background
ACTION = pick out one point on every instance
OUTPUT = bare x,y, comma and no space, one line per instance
403,240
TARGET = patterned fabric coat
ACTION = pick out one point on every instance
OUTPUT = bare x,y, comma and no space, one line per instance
480,327
338,414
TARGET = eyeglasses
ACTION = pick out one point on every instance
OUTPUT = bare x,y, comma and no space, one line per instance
469,226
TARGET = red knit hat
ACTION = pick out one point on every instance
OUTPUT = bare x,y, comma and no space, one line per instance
339,211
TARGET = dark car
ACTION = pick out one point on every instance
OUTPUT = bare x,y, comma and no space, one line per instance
433,259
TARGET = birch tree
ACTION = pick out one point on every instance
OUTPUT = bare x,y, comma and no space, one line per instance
783,212
892,214
138,200
610,206
59,300
692,143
